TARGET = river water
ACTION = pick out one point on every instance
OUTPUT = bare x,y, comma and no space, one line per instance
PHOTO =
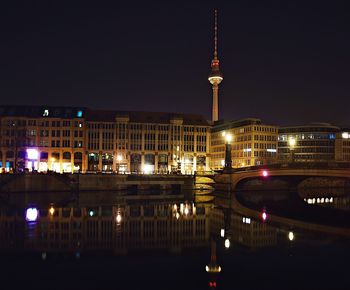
106,241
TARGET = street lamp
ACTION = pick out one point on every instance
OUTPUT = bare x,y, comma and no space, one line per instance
228,156
292,142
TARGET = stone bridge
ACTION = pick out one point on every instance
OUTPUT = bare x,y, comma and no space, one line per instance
230,181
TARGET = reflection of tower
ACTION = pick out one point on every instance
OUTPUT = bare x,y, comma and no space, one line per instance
215,77
213,268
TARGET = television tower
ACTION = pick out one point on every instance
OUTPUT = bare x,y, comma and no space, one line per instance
215,77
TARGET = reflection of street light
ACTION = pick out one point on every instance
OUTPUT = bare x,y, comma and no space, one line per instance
119,218
292,142
52,210
222,233
227,243
228,157
32,214
291,236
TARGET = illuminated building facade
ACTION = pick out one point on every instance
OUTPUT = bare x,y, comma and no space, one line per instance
314,142
342,146
253,143
65,139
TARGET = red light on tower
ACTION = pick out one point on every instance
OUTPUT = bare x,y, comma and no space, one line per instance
265,173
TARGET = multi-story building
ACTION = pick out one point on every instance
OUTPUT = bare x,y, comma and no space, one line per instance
314,142
342,146
66,139
253,143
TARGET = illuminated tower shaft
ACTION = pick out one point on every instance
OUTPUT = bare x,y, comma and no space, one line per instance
215,77
215,109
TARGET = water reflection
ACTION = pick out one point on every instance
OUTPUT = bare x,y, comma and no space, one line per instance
117,228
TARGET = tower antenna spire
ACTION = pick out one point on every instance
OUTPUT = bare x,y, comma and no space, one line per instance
216,34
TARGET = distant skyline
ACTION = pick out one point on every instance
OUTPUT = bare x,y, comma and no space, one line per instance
286,63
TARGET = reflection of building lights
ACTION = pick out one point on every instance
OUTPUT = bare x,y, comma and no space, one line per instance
51,210
181,208
265,173
177,215
227,243
291,236
222,233
186,211
32,214
119,218
194,209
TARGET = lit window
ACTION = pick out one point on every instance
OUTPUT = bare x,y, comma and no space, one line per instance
80,114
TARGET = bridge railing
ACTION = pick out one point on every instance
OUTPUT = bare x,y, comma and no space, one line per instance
298,165
204,173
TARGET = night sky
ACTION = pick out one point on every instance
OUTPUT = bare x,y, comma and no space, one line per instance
286,62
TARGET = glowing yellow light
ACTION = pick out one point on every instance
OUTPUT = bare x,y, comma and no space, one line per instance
181,208
119,158
51,210
291,142
177,215
223,133
228,138
186,211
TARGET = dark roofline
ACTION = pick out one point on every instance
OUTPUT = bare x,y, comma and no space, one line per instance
101,115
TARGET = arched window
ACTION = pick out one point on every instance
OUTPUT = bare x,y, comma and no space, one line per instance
78,156
44,155
66,155
21,154
55,155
